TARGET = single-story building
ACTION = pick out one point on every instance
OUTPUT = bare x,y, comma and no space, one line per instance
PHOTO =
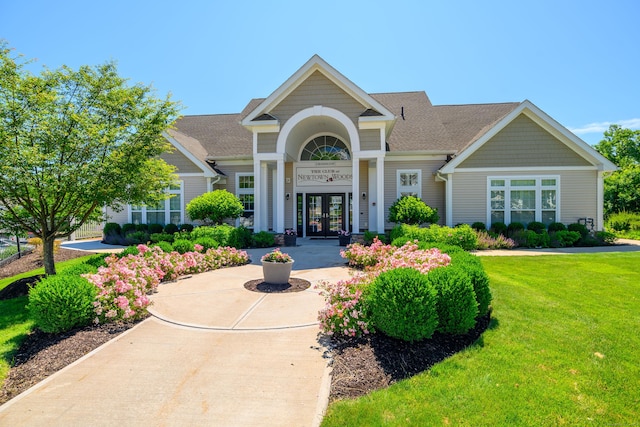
321,155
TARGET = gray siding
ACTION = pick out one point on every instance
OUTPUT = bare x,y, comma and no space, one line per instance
267,142
432,190
180,161
121,217
192,187
231,171
523,143
317,90
369,139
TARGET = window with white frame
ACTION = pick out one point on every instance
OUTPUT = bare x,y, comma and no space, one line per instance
523,199
244,191
164,212
409,183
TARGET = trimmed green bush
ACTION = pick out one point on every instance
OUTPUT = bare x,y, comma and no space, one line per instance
514,227
263,239
240,237
130,250
463,235
78,269
128,228
165,246
155,228
183,246
403,304
62,302
97,260
580,228
112,229
206,243
412,210
142,227
536,226
456,305
369,236
556,226
473,267
479,226
186,227
499,228
162,237
138,237
171,229
215,206
605,237
561,239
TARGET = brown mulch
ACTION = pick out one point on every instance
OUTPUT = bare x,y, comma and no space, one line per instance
34,260
294,285
359,365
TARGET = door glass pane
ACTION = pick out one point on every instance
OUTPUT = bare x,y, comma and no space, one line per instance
314,214
335,213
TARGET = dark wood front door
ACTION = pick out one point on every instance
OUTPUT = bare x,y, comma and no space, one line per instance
325,214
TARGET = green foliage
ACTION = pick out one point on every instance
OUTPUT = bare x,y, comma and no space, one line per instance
561,239
240,238
78,269
206,243
456,304
369,236
183,246
142,227
222,233
215,207
155,228
403,304
130,250
60,303
514,227
412,210
172,228
138,237
162,237
622,187
580,228
605,237
462,236
128,228
556,226
624,224
536,226
186,227
479,226
165,246
80,140
112,229
499,228
532,239
472,266
263,239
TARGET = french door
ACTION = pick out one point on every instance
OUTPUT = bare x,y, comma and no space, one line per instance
325,214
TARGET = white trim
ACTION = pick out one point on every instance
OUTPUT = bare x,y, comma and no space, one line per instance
319,134
448,200
195,174
399,187
203,166
316,64
412,158
234,162
546,122
528,169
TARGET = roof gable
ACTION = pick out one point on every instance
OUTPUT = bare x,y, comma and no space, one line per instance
316,64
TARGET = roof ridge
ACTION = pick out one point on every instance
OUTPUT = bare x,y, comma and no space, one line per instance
477,103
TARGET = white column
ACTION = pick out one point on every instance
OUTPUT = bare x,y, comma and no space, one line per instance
355,189
279,196
372,197
380,195
449,200
257,197
264,198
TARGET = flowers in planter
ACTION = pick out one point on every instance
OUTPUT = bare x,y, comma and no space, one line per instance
290,232
344,233
276,256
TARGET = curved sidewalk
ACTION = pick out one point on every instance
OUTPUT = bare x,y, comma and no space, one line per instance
213,353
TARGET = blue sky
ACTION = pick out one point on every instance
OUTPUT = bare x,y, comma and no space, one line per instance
576,60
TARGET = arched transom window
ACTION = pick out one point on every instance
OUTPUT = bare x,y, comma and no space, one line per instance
325,148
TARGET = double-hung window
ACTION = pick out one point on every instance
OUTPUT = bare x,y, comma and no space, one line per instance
523,199
244,191
164,212
409,183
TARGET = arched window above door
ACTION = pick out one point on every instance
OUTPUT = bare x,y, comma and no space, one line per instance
325,147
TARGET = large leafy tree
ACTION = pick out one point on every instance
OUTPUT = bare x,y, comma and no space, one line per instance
74,141
621,188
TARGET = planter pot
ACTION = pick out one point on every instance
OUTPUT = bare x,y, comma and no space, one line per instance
289,240
344,240
276,272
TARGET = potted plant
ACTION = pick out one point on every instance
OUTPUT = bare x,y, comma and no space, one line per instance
290,237
276,267
344,237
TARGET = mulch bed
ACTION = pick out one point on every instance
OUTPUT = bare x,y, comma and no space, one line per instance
294,285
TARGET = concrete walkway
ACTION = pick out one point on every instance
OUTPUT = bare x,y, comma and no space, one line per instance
213,353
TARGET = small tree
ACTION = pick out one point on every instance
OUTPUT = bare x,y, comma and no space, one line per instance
215,207
412,210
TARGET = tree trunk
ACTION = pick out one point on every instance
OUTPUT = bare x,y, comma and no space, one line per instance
47,255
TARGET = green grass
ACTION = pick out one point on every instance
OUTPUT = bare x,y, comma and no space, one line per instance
14,319
562,350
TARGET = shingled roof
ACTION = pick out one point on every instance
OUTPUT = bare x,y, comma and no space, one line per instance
420,126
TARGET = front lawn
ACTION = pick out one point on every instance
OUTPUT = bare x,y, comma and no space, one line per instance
562,349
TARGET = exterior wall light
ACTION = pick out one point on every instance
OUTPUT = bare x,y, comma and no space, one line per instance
364,196
288,196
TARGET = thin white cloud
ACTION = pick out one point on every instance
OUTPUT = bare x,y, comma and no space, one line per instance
603,126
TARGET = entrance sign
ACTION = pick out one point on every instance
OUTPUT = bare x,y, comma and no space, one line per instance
323,175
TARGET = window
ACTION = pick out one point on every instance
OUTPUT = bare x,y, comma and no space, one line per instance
409,183
523,199
325,148
244,191
165,212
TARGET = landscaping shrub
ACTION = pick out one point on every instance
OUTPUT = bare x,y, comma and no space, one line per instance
206,243
369,236
112,229
186,227
514,227
131,250
580,228
403,304
97,260
462,236
155,228
61,302
487,241
183,246
531,239
561,239
473,267
138,237
171,229
456,301
128,228
478,226
215,207
240,237
161,237
499,228
556,226
345,312
536,226
412,210
142,227
204,231
401,241
605,237
263,239
165,246
78,269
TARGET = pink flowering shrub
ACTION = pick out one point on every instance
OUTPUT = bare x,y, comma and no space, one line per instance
124,284
345,312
